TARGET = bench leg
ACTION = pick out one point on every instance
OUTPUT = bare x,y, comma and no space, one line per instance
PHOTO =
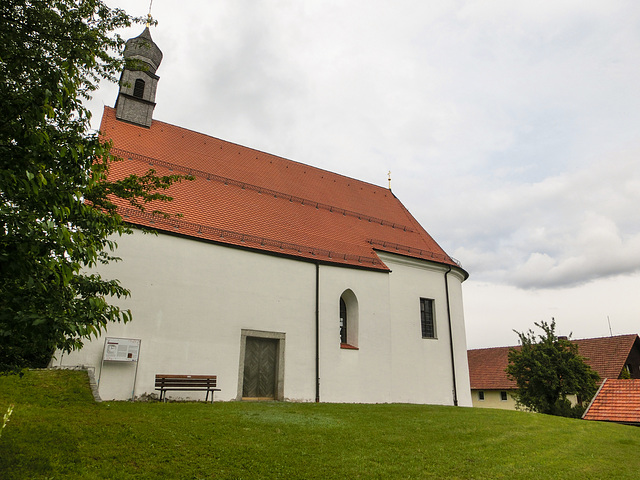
163,395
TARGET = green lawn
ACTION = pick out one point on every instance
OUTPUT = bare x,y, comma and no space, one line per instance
57,431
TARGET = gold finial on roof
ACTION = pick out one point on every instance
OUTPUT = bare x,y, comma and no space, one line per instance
149,14
389,174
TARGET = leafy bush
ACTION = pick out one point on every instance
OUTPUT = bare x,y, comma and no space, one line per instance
547,370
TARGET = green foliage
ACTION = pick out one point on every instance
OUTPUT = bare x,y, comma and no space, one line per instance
57,431
57,210
549,369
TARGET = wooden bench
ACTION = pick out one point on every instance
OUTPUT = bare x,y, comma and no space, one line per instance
192,383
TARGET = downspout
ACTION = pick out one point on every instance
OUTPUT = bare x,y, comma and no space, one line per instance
453,361
317,332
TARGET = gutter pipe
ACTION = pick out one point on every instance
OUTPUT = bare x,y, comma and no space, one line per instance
453,362
317,332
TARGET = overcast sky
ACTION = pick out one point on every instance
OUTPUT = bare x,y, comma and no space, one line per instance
511,129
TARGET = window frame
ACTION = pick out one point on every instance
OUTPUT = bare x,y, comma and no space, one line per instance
481,395
503,396
428,319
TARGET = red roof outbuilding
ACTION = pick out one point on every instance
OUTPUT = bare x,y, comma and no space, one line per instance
606,355
618,400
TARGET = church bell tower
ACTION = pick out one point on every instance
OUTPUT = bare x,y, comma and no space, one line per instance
137,95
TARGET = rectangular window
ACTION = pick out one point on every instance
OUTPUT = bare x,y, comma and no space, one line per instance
480,395
503,396
427,321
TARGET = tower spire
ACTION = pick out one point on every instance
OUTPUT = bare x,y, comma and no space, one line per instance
138,82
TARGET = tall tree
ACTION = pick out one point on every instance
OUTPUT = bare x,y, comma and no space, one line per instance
547,370
57,212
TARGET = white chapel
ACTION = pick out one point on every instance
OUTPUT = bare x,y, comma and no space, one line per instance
286,281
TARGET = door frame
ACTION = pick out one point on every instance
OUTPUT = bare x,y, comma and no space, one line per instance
280,337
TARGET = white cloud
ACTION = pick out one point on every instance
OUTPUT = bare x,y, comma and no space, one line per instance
597,250
565,230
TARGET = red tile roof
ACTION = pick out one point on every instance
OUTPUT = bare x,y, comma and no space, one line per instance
605,355
247,198
487,369
616,401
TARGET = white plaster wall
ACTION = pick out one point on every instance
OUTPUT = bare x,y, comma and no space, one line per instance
426,375
361,375
393,362
190,301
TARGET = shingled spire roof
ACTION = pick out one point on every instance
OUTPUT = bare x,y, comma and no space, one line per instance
250,199
143,48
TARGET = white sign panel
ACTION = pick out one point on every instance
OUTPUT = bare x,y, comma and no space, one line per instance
121,349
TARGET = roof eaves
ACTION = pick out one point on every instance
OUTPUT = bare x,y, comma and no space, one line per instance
227,237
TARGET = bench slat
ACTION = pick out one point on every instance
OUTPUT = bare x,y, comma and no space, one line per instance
186,382
192,383
193,389
185,385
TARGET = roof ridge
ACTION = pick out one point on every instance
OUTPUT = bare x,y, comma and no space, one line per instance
229,142
244,185
571,340
493,348
606,337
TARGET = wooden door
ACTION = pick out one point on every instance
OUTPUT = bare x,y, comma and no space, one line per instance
260,362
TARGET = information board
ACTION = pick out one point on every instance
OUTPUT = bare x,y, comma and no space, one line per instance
121,349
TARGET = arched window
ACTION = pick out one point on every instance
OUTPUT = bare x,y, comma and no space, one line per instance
138,88
343,321
348,320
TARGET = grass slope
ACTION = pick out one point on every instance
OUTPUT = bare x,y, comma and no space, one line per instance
57,431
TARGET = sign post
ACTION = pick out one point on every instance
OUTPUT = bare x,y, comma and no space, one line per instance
121,350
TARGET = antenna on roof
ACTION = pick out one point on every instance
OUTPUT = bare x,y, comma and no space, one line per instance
609,321
149,14
389,175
